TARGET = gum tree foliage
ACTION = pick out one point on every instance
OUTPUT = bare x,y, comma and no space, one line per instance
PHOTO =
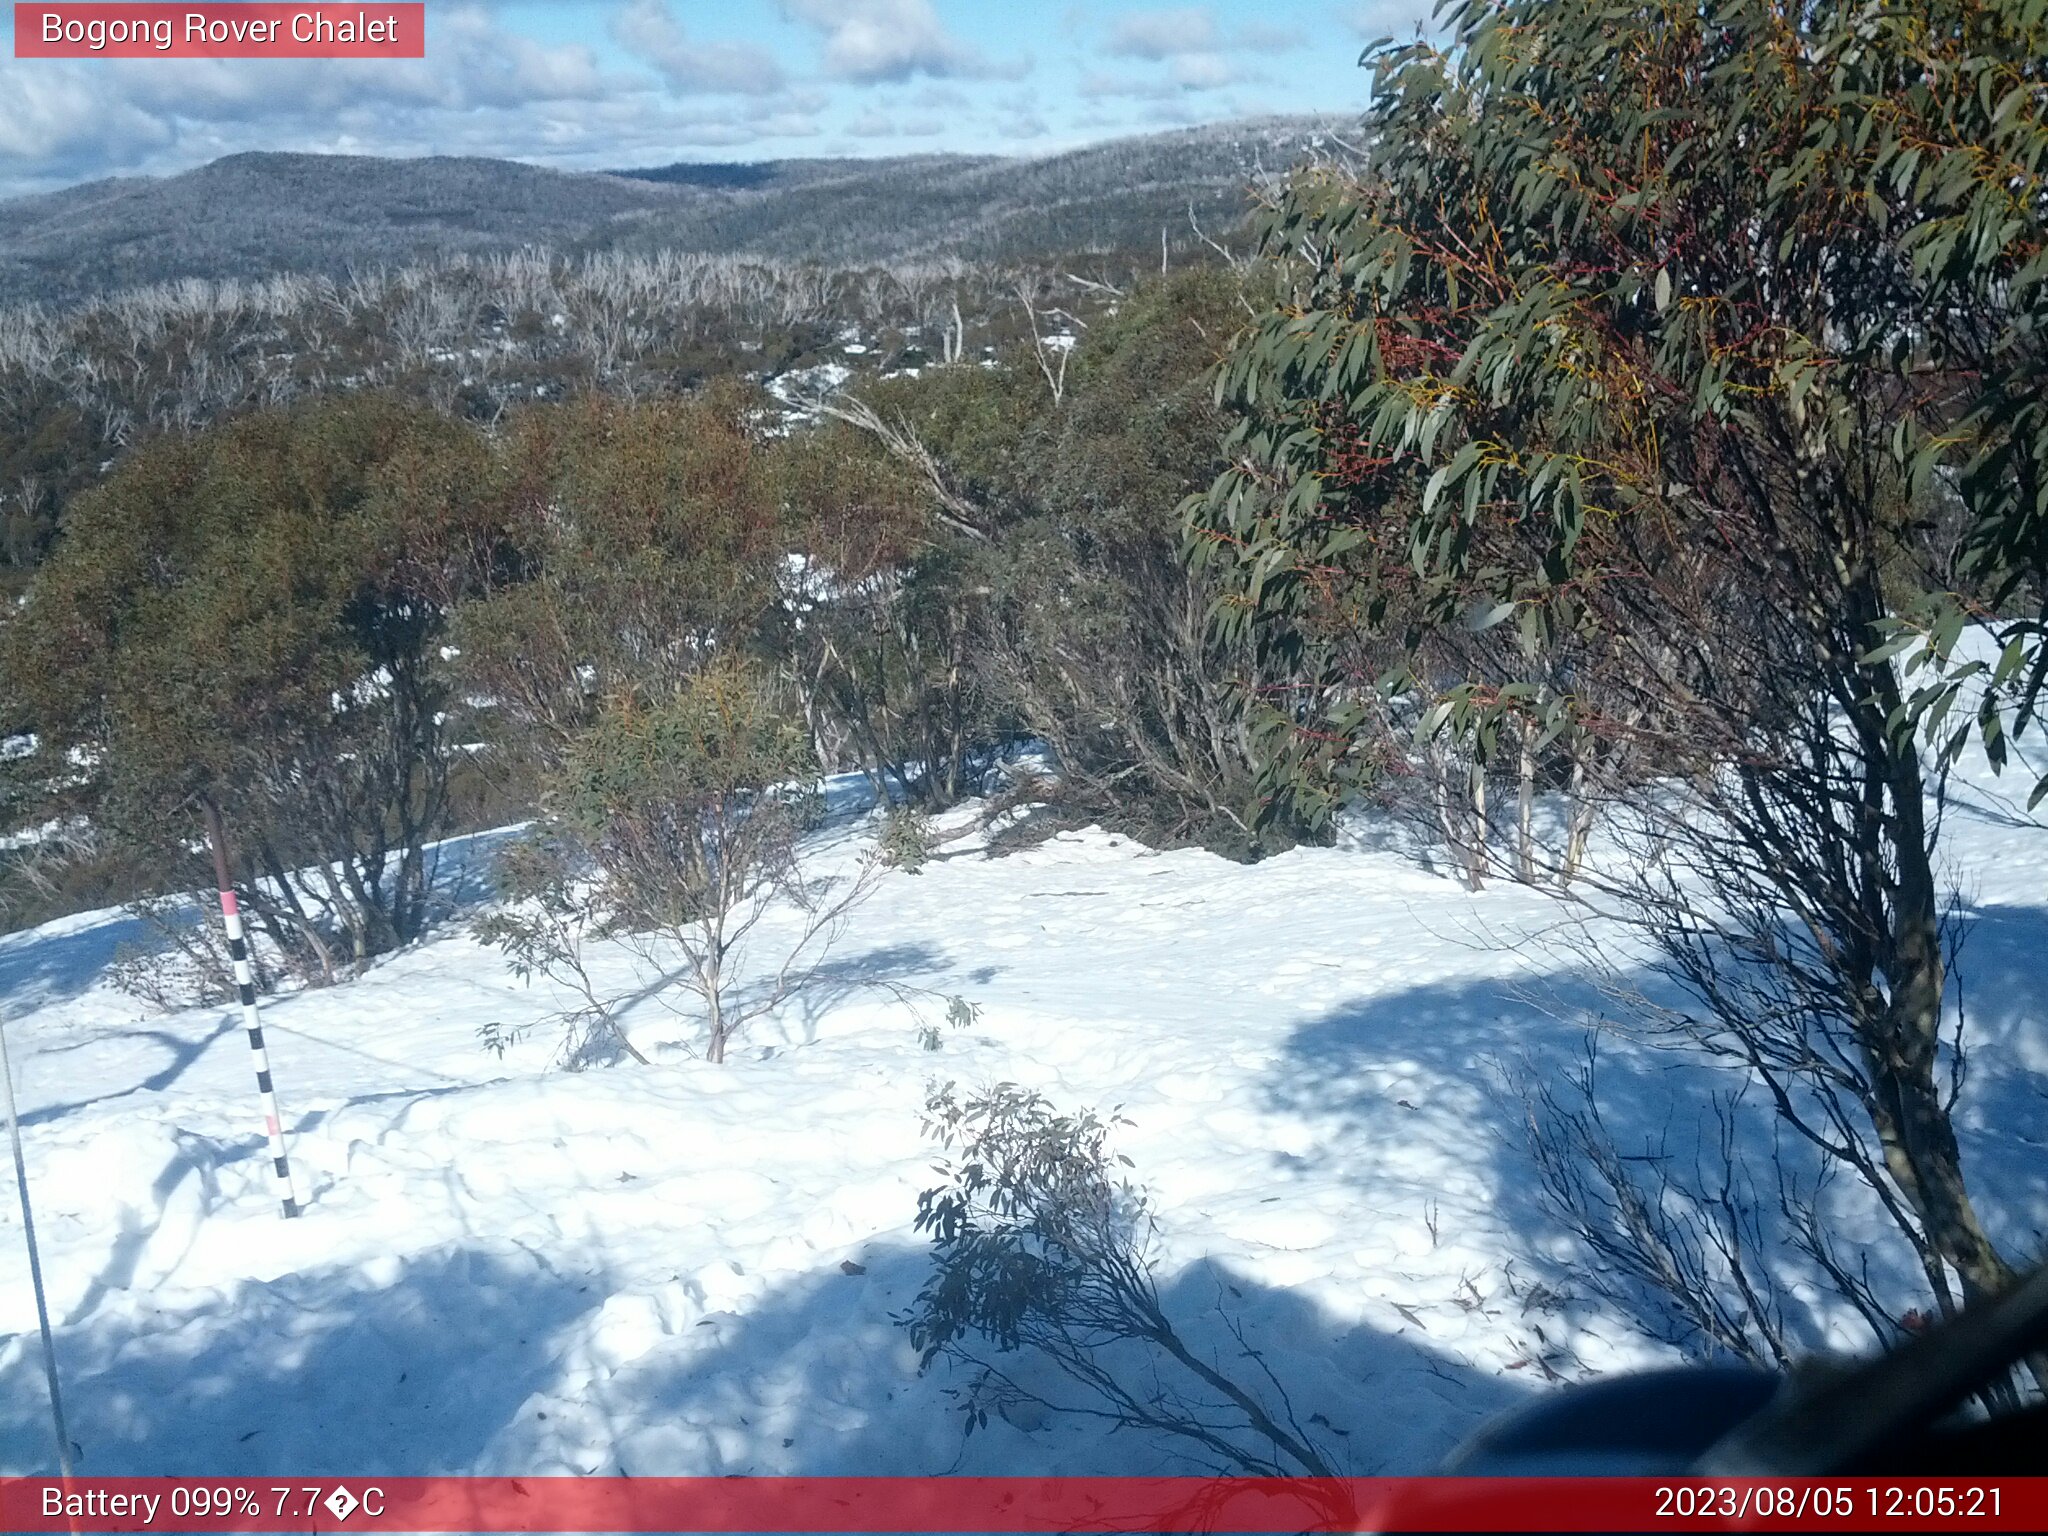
1702,346
630,648
1049,578
1103,642
549,911
1042,1253
253,615
643,537
876,635
690,809
1585,227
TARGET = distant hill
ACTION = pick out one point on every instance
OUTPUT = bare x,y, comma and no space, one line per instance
254,214
250,215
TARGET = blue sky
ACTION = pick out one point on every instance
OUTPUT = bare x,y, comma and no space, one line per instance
593,83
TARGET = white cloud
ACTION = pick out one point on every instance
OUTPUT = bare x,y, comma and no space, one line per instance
649,30
1096,86
1205,72
880,125
485,90
1190,52
489,65
1388,18
942,98
1163,34
57,118
476,65
655,90
870,41
1183,73
69,121
1023,125
1270,37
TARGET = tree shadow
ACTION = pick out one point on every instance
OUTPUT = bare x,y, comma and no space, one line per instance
321,1372
2002,1115
1423,1100
1416,1098
497,1360
910,975
461,870
61,960
820,1380
183,1054
889,974
312,1119
197,1157
64,958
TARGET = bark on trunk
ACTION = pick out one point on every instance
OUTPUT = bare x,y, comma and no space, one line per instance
1477,863
1525,808
1580,826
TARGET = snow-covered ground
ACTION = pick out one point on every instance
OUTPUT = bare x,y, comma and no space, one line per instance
688,1268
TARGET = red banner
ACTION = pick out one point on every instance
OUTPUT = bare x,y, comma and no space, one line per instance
1020,1504
212,30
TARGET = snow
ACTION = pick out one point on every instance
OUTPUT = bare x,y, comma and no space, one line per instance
689,1268
800,384
55,829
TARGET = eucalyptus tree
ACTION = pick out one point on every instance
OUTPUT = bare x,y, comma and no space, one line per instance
247,620
1703,345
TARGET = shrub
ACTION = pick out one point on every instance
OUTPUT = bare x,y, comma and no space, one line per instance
906,840
1041,1244
252,616
691,811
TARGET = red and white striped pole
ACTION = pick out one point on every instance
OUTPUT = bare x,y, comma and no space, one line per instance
245,987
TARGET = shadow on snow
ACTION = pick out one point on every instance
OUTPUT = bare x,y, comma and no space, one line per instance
498,1360
1445,1074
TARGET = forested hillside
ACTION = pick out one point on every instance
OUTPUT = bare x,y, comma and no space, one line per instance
256,215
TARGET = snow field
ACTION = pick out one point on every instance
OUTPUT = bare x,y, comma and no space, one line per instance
696,1269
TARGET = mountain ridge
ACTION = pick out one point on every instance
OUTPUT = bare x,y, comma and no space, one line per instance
257,213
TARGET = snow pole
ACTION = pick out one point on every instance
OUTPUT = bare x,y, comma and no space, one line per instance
245,988
35,1270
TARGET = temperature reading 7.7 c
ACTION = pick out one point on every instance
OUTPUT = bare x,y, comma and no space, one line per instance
307,1499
